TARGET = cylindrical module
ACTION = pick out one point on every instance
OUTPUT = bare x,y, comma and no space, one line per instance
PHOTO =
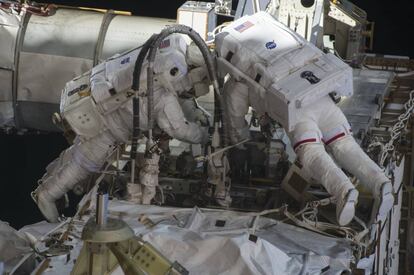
39,54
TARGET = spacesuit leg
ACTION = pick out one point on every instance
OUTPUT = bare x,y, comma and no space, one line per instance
236,106
306,140
217,170
350,156
72,166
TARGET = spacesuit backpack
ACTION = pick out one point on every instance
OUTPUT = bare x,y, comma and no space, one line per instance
285,70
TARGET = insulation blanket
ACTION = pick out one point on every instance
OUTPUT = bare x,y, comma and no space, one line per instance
13,247
209,241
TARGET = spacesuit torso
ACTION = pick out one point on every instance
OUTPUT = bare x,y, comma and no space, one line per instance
103,96
283,71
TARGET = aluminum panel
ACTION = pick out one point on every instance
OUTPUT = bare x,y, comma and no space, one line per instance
9,26
69,32
369,86
9,19
127,32
6,78
245,7
45,84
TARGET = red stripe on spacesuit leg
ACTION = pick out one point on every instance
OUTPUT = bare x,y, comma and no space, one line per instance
297,144
334,138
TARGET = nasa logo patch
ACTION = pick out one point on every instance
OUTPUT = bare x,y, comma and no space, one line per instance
270,45
310,76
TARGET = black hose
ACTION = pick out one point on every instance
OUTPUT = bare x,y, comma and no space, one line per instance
151,58
135,127
135,101
152,45
140,61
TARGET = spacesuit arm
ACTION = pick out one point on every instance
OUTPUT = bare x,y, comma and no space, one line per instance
172,120
193,112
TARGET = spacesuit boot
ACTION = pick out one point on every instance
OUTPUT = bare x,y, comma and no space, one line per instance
320,166
345,207
351,157
134,193
385,199
222,195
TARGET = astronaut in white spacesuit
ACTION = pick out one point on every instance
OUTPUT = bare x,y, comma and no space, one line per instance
98,108
280,74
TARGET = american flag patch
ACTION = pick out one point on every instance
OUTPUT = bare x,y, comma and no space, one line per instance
244,26
125,60
165,44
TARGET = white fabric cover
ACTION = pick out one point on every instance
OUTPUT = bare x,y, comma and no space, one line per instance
204,248
191,237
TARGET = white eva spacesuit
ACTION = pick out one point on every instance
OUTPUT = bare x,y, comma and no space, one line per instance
277,72
98,108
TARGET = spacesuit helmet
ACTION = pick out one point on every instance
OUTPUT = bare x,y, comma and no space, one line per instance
182,67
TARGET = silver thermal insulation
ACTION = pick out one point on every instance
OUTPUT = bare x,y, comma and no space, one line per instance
222,242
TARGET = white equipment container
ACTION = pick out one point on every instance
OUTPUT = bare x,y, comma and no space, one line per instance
282,67
198,15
